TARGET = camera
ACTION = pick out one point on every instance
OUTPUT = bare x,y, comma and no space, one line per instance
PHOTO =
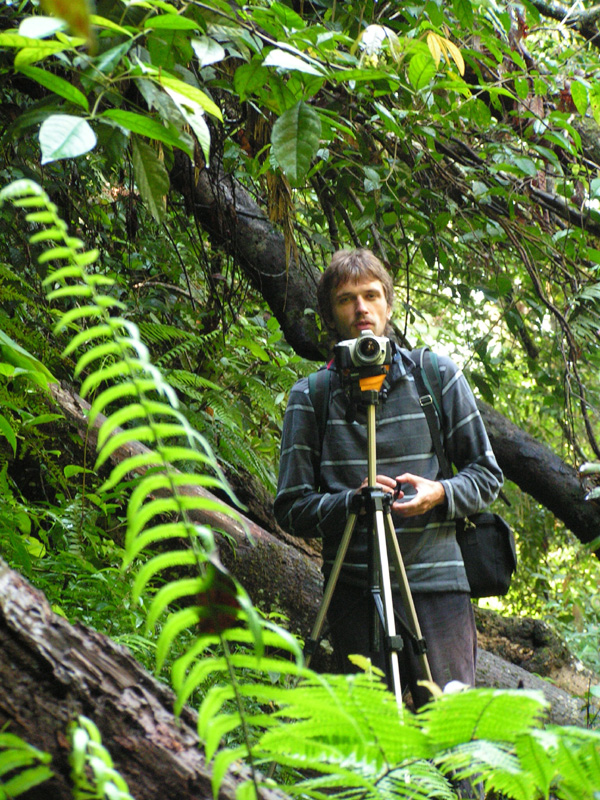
367,350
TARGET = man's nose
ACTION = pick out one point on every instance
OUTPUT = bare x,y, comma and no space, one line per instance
361,306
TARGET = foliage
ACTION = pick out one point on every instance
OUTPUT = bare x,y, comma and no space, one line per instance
22,767
92,770
427,132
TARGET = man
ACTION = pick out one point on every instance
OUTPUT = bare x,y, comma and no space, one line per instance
318,479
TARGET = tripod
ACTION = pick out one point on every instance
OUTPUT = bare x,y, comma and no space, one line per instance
377,505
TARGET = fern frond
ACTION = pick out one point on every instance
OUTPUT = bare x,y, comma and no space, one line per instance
168,530
486,714
25,766
172,594
161,562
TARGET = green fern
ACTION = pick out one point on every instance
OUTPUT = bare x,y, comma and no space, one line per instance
93,773
124,384
22,767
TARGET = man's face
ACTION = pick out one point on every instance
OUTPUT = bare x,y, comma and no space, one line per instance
359,306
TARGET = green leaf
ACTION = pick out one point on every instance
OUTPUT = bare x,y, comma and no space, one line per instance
579,94
31,50
464,13
172,22
145,126
421,70
151,178
65,136
295,139
250,77
7,431
191,94
594,99
194,116
26,780
56,84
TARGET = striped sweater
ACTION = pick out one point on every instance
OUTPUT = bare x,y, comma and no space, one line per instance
316,483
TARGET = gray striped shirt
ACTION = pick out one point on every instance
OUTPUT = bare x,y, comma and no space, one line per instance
316,483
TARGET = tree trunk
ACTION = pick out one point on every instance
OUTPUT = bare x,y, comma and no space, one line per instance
51,672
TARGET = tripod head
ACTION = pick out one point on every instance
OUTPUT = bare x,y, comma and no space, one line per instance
363,364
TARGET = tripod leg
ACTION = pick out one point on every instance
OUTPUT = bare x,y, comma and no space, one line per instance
312,642
407,598
388,604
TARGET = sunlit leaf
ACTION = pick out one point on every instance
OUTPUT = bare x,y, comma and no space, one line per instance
65,136
207,50
289,62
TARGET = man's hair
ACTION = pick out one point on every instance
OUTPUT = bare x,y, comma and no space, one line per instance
351,266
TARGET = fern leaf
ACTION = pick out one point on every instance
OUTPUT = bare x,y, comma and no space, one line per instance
169,530
130,466
159,563
171,481
120,369
119,392
169,505
485,714
174,625
89,334
222,763
172,593
135,411
70,291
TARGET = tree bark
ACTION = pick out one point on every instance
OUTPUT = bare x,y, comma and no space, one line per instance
51,672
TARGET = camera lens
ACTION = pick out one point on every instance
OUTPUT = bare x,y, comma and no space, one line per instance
368,349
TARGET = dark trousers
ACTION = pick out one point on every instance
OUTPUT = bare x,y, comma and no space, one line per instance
447,625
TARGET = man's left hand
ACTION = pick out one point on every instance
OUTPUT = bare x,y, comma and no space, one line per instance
428,495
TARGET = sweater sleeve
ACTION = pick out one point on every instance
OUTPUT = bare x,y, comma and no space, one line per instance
478,478
300,508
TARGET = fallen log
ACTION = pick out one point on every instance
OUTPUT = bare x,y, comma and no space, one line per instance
52,671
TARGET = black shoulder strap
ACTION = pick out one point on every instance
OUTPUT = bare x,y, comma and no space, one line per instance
319,385
429,385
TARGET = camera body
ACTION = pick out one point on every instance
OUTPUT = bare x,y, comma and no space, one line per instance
366,351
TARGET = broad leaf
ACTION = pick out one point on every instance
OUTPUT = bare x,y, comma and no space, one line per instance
146,126
172,22
65,136
151,178
295,139
57,85
421,70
